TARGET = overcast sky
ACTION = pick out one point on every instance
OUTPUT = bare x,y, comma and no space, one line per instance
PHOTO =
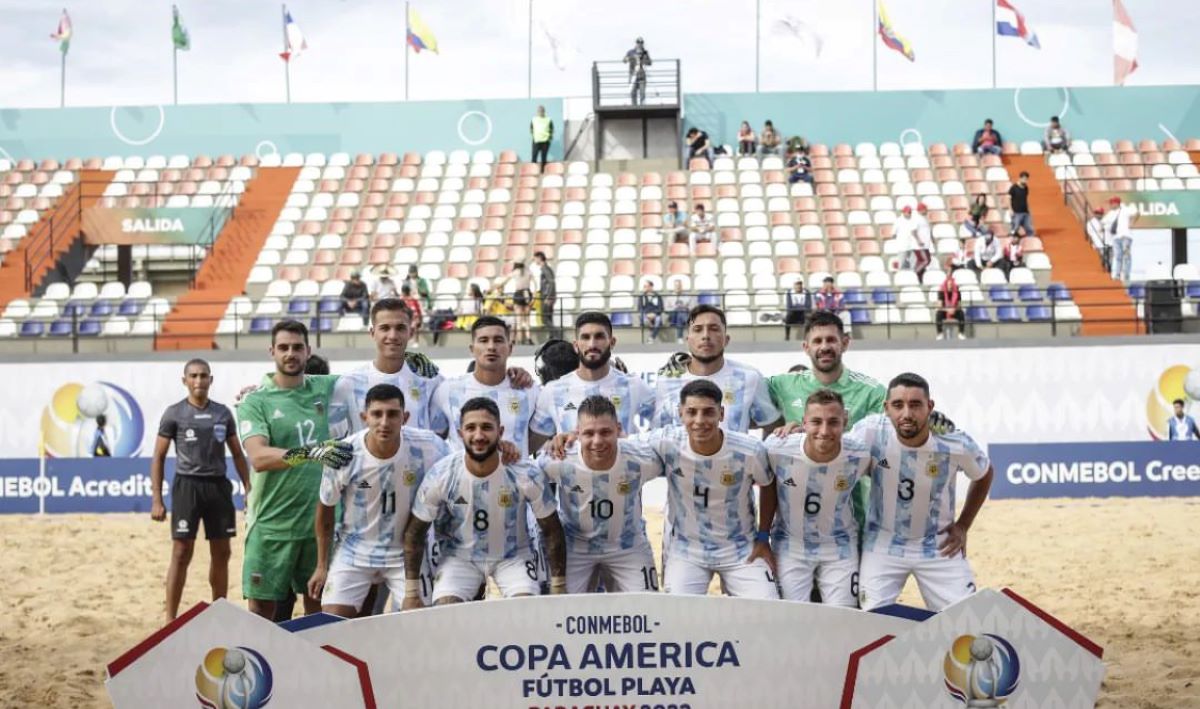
121,53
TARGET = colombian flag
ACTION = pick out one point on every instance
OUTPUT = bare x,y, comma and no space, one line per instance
890,38
419,35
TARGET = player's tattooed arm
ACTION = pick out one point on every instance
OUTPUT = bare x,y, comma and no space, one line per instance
415,534
556,552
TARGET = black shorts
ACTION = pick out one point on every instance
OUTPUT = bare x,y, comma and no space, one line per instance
195,498
522,297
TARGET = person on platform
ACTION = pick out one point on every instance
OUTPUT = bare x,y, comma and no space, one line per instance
541,130
637,59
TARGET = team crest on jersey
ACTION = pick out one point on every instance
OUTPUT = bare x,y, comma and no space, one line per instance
932,469
409,478
729,397
624,487
505,497
727,478
219,432
841,484
616,400
514,405
319,406
415,392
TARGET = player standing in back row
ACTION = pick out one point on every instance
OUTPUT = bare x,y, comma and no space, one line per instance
284,425
201,429
910,519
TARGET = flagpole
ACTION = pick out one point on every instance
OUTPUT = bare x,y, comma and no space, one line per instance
993,44
175,71
757,39
407,30
529,59
874,46
62,83
287,60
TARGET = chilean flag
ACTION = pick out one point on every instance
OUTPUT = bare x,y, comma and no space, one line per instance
1011,23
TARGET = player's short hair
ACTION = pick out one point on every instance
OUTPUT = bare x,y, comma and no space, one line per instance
197,361
824,318
593,317
554,359
541,255
705,308
293,326
489,321
824,396
390,305
702,388
798,368
597,405
909,379
384,392
480,403
1177,402
316,364
1023,174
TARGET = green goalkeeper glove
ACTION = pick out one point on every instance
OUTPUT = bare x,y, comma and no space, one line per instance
332,453
421,365
676,366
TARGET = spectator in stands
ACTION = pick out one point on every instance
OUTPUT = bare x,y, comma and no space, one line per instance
385,287
747,145
828,298
1118,225
923,253
904,230
1181,427
522,299
987,252
699,146
470,307
962,257
700,227
355,298
950,299
547,291
797,144
674,225
650,306
1014,255
441,321
1100,237
637,59
987,140
798,302
420,287
1056,139
977,215
679,305
1018,202
541,129
408,297
799,166
768,141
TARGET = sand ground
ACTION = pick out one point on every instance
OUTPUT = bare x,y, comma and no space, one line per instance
81,589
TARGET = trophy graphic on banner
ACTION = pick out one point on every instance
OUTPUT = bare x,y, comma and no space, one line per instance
982,670
982,674
234,684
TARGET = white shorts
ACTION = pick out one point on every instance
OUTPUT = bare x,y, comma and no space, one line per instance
461,578
941,580
623,571
837,580
753,580
347,585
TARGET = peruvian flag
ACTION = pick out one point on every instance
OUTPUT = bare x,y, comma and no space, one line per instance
1125,44
293,38
1011,23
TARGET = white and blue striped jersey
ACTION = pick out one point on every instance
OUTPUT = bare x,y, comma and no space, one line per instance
558,404
483,519
710,500
601,510
912,489
815,518
350,392
747,400
516,408
375,496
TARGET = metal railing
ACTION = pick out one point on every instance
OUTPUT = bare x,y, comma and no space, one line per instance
612,85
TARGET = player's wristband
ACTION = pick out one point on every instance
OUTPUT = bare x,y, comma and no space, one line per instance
762,536
412,588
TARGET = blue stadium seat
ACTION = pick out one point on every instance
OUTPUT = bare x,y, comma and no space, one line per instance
74,307
131,307
1008,313
978,313
89,328
1000,294
1038,313
102,308
708,298
329,306
1137,291
1193,289
1030,294
860,316
622,319
32,328
299,306
261,326
883,296
1058,291
855,296
321,325
60,328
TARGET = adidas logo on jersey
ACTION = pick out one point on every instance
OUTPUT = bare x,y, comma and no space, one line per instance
570,406
460,501
790,483
364,485
884,464
277,415
576,488
677,471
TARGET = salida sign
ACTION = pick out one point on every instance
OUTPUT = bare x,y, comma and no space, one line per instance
1162,209
176,225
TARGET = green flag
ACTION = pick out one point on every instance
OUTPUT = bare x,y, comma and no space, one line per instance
179,33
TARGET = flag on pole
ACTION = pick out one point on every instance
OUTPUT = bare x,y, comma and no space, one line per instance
63,33
179,33
293,38
1011,23
890,38
419,35
1125,44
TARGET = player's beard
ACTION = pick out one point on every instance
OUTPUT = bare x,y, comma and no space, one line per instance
290,370
605,355
907,431
708,359
831,367
481,457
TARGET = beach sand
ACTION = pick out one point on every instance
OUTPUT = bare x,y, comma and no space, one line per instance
82,589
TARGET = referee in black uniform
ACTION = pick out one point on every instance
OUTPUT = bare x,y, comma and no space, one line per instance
201,430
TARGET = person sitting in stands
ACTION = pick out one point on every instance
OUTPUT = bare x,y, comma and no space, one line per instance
746,142
987,140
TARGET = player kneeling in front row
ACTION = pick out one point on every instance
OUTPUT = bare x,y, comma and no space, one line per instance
375,492
910,519
600,502
815,537
479,503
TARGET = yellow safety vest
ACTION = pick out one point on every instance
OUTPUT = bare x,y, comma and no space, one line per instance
541,129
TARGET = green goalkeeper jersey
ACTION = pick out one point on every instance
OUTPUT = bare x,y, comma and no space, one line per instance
862,395
281,502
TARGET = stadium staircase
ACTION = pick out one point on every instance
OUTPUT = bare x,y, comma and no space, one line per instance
51,237
193,321
1105,311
